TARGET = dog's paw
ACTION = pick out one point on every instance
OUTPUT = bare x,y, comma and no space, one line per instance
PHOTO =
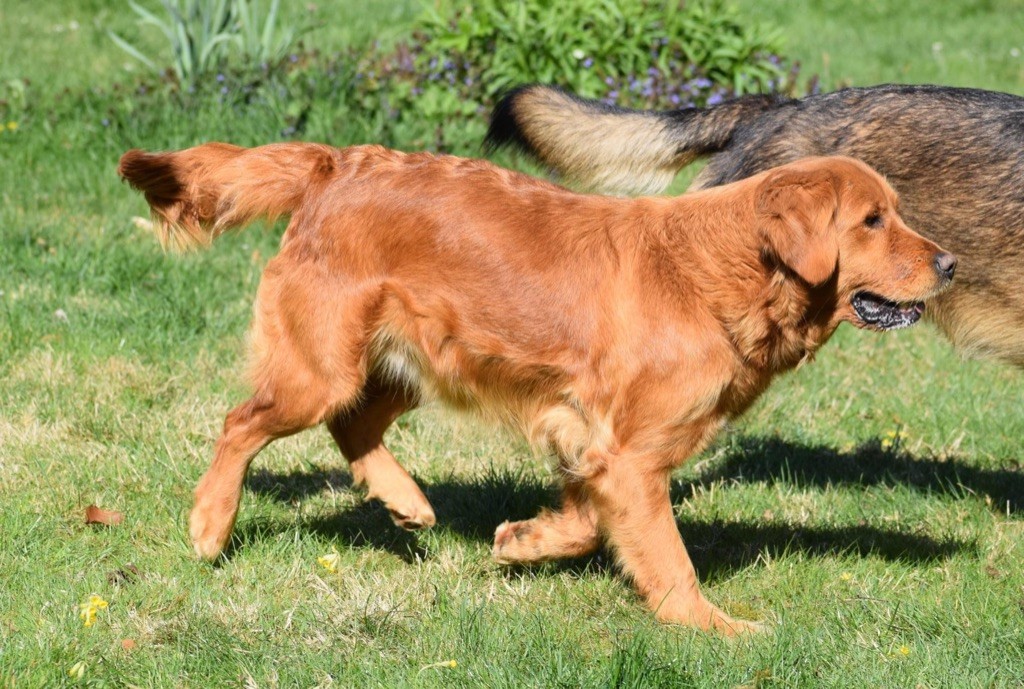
413,516
697,612
508,548
209,535
732,627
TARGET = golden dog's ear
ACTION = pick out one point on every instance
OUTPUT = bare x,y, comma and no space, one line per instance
796,212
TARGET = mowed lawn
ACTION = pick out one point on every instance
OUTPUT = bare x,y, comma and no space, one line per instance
870,507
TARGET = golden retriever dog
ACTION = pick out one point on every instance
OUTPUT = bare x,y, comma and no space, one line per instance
618,334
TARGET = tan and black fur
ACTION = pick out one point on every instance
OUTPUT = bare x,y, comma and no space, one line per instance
956,157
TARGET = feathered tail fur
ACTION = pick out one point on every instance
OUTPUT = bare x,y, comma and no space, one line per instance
199,193
610,149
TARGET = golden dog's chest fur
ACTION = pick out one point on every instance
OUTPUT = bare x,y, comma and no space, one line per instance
618,334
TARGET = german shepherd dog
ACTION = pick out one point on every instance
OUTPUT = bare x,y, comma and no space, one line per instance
956,157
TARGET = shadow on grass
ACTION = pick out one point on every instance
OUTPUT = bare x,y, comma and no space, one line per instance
473,506
364,525
775,460
470,507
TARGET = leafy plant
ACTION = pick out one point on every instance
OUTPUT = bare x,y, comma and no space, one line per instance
433,90
262,39
202,34
198,32
636,49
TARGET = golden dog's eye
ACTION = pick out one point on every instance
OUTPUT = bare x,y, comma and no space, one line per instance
874,221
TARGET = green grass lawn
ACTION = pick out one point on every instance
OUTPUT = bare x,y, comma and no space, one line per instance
870,507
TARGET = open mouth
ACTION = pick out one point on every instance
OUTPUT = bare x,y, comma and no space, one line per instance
879,312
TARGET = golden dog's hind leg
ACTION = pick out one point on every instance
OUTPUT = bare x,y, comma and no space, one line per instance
301,377
635,513
359,433
248,428
553,535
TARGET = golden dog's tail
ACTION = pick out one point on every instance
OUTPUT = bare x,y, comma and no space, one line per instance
199,193
610,149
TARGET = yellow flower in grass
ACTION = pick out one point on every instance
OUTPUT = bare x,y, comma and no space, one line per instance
901,652
12,125
890,439
87,610
330,561
77,671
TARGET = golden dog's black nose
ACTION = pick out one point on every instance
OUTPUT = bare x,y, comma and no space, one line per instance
945,265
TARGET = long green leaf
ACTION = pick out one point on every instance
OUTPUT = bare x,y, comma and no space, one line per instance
131,50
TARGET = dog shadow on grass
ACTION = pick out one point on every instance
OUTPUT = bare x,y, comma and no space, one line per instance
776,460
472,506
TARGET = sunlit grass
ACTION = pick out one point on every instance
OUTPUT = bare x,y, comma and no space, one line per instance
869,507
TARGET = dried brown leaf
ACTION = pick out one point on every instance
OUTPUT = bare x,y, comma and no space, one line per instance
98,515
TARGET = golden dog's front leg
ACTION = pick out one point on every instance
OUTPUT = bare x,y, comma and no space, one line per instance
553,535
631,498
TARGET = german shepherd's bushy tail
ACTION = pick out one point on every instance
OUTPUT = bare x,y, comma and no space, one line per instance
611,149
199,193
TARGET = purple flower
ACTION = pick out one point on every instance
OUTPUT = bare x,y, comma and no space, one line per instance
588,63
701,83
715,98
674,99
293,57
223,89
220,77
614,95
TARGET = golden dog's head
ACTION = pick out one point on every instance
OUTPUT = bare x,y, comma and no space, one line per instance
834,222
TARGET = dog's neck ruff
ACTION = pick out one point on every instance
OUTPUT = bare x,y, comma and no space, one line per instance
782,323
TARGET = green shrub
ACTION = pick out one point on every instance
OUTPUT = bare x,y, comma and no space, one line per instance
645,50
639,53
434,89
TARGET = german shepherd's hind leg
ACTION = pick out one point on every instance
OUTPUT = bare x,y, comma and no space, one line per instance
635,514
359,433
568,532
